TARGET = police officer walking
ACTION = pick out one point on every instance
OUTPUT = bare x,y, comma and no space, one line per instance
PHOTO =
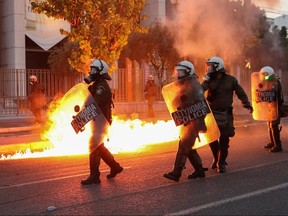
273,126
187,79
221,87
102,94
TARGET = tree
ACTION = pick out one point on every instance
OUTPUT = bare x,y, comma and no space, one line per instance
99,28
155,48
59,55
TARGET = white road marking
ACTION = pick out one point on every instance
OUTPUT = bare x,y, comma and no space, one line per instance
49,180
229,200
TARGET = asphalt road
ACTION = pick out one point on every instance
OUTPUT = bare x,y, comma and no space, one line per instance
256,182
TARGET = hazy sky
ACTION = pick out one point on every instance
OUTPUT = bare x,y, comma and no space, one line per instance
279,5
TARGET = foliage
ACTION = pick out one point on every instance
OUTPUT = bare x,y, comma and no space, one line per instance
99,28
155,48
58,58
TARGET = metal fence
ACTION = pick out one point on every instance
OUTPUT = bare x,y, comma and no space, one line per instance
126,86
15,88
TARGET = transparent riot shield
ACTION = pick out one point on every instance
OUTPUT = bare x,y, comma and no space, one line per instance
190,111
264,98
86,115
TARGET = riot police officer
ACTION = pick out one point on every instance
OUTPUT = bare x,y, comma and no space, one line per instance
185,71
150,91
273,126
36,98
102,94
221,87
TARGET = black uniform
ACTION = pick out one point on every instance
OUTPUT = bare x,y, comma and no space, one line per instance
187,139
273,126
220,97
101,93
37,100
150,91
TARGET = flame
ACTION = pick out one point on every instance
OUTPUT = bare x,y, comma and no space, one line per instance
123,135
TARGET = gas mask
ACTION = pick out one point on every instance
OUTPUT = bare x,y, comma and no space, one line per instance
211,71
93,75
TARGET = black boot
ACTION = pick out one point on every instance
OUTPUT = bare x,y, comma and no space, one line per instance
115,170
268,146
196,162
92,179
94,162
277,148
108,158
221,167
179,165
199,173
172,176
215,150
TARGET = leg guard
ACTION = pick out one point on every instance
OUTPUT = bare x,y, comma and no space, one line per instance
276,138
108,158
196,162
270,134
179,165
214,146
223,153
271,143
94,162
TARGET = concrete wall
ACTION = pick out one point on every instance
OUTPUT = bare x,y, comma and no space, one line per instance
12,34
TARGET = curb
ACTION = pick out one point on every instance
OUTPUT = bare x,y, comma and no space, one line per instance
17,129
12,149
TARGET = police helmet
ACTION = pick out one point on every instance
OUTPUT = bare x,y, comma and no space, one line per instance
33,80
185,68
217,64
100,67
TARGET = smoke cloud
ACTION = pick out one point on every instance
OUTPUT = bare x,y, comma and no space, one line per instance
206,28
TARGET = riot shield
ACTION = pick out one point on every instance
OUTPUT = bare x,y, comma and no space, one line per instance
264,98
86,115
190,111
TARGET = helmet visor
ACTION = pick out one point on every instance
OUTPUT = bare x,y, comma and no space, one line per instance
94,70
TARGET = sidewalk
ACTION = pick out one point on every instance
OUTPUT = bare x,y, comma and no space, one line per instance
13,123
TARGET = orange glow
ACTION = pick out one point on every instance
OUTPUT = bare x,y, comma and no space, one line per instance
124,135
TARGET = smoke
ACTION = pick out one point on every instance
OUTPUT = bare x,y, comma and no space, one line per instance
206,28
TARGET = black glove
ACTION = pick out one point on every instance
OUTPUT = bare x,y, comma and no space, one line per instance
250,108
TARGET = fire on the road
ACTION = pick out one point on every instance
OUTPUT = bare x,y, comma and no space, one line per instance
123,135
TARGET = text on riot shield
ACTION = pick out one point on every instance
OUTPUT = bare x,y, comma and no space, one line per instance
265,96
83,117
190,113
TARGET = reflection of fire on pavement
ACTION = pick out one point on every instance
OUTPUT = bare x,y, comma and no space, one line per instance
124,135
